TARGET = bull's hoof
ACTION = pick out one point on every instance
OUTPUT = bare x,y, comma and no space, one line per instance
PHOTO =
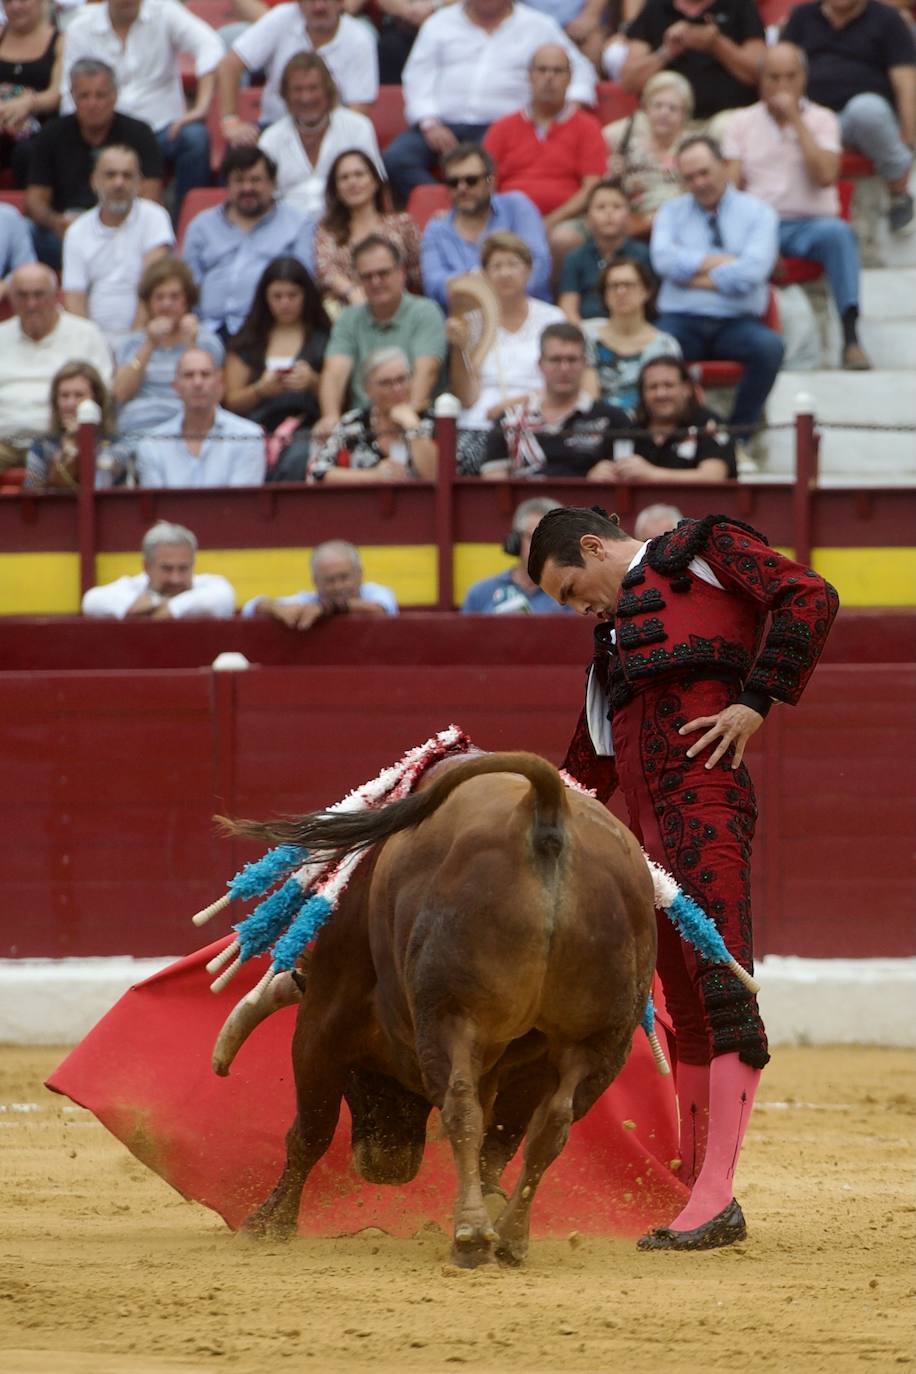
264,1225
473,1245
512,1252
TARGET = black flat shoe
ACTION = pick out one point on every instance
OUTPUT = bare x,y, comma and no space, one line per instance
727,1227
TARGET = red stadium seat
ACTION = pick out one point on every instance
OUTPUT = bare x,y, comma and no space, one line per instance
614,102
201,198
775,12
388,118
425,201
796,271
721,373
249,109
11,481
216,13
12,197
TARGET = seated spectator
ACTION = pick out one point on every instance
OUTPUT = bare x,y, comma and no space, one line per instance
390,318
53,461
228,247
273,363
30,62
168,588
337,573
607,218
399,22
306,141
714,250
582,20
147,358
716,44
107,250
15,244
346,45
862,65
209,447
387,441
620,346
682,441
786,151
512,592
550,151
508,371
451,243
142,41
357,204
63,156
560,431
655,520
468,67
642,149
33,345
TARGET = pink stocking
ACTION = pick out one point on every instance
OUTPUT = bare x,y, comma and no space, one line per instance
732,1085
693,1118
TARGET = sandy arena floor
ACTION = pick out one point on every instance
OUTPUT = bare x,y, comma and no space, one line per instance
103,1270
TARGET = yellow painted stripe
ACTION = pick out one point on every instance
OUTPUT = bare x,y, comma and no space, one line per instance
48,583
39,583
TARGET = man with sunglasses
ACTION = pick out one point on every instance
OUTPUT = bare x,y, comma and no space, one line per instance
390,318
452,242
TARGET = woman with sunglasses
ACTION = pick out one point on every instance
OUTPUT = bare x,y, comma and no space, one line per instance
357,204
621,345
385,442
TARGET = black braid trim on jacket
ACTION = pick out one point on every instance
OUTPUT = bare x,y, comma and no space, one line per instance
672,553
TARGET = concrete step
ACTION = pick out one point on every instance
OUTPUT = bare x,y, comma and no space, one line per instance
888,294
882,397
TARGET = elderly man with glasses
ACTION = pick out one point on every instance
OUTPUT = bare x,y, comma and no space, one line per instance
390,318
451,243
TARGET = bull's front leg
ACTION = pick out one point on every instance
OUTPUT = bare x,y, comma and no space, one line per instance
320,1077
451,1058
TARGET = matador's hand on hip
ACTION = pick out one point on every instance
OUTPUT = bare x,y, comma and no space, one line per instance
732,728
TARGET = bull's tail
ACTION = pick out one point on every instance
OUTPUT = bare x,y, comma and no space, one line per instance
327,834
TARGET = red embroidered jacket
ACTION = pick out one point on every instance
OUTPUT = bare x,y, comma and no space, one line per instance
670,623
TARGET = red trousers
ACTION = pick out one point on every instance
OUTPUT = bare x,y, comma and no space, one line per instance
699,824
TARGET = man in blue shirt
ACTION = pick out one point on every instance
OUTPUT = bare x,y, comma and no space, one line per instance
228,247
714,250
451,243
337,573
512,592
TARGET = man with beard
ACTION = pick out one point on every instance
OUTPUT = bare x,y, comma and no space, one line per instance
107,250
228,247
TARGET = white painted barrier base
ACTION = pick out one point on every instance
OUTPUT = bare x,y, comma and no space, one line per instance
804,1001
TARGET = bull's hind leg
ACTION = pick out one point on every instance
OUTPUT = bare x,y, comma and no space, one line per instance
462,1119
320,1078
515,1104
580,1068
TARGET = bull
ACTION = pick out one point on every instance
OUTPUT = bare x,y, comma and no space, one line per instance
491,957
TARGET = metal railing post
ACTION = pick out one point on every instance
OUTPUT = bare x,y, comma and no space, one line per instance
445,410
807,443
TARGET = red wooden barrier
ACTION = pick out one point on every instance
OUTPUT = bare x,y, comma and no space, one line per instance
112,776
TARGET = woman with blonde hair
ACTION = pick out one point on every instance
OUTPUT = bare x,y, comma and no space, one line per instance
489,379
146,360
53,461
642,149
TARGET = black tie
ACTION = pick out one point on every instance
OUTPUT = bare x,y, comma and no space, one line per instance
714,230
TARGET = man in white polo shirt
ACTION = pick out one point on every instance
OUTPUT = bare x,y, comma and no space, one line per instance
107,250
142,41
348,46
34,344
211,447
168,588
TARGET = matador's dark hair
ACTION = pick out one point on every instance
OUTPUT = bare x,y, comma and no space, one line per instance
558,535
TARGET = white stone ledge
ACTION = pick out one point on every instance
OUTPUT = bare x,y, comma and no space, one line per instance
804,1001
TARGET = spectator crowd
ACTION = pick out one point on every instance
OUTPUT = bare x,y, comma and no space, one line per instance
566,287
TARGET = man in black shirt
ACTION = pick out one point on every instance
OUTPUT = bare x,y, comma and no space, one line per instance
63,157
681,440
862,64
562,432
717,45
